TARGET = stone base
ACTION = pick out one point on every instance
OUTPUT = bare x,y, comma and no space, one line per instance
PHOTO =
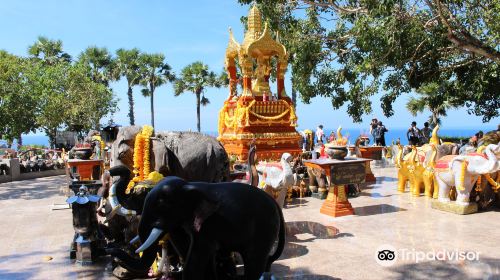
455,208
336,203
319,195
338,209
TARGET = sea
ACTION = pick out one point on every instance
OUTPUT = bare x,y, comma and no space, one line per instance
351,133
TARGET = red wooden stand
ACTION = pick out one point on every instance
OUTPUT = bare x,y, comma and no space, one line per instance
336,203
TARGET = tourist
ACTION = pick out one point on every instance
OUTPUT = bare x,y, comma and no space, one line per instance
320,134
303,136
479,135
373,127
332,137
413,134
425,133
380,134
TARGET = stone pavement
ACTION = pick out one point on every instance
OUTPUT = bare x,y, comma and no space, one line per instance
34,239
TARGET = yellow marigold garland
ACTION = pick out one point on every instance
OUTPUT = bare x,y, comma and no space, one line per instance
461,186
142,163
494,185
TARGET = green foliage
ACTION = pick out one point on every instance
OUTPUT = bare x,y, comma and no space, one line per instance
432,96
47,92
49,51
99,64
454,139
17,105
349,50
195,78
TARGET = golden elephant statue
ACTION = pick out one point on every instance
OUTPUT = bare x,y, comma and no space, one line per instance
409,171
417,167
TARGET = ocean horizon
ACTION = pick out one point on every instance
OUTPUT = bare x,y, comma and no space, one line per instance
351,133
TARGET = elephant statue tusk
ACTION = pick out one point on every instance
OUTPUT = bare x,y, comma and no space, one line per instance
155,233
117,208
135,240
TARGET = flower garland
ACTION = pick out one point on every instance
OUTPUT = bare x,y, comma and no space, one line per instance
142,163
461,186
494,185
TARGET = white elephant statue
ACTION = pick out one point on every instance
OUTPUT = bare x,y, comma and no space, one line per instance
463,171
277,178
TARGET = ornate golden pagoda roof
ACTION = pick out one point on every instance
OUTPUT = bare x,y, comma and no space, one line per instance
256,42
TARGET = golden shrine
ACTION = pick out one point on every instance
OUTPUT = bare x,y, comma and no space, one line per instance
257,113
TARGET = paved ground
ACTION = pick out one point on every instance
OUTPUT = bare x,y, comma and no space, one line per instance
318,246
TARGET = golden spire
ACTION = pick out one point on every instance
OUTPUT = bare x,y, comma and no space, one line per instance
254,26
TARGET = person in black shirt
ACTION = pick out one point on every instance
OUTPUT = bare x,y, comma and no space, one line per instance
413,134
380,134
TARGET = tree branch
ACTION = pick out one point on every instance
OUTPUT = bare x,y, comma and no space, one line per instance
466,41
337,8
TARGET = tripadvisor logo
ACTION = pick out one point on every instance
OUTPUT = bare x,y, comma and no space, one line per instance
387,255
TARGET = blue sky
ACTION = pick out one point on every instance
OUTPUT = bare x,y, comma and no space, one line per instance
185,31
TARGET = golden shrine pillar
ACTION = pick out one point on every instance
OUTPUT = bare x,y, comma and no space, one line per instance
257,113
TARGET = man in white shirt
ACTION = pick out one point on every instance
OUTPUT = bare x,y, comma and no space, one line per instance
320,134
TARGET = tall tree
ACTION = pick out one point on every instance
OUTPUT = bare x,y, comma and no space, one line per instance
18,108
49,51
349,50
49,83
195,78
155,72
431,97
99,63
85,113
127,65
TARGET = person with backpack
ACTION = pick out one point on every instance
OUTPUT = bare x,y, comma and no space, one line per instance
380,134
426,133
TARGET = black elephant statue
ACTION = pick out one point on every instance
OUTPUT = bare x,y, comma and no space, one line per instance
204,220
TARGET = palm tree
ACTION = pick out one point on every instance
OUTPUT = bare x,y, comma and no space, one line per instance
49,51
431,98
127,65
195,78
155,72
100,64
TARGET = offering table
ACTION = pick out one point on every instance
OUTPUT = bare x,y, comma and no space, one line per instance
88,169
339,173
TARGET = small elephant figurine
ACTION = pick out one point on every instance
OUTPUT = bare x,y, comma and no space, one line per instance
317,176
209,220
